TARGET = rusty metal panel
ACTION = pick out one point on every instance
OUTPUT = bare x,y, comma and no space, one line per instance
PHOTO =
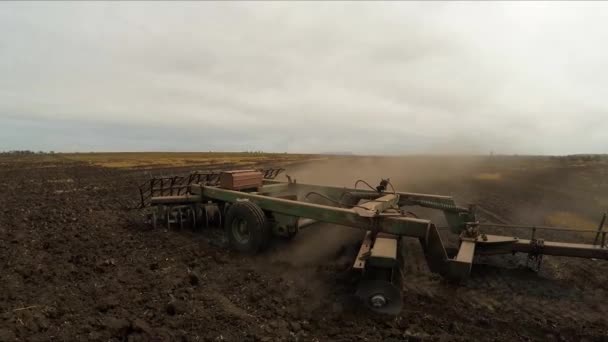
187,198
384,251
241,179
371,208
466,252
363,251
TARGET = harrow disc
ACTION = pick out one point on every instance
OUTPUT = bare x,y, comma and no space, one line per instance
212,215
380,296
191,212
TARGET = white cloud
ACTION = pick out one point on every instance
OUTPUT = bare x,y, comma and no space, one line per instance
398,77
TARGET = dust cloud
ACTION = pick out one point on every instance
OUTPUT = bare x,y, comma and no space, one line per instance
527,190
321,243
412,173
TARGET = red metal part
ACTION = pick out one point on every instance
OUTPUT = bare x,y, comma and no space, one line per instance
241,179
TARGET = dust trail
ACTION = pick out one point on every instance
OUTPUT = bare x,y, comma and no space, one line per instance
406,173
521,189
320,253
320,243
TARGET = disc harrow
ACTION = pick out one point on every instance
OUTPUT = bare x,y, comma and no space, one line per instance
176,209
253,207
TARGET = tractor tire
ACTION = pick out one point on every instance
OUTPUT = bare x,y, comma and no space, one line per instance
247,227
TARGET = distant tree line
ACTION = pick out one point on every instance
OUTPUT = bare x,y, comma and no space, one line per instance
25,152
581,158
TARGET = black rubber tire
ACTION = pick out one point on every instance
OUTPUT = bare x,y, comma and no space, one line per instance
257,226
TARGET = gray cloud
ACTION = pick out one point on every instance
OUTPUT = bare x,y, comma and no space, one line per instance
305,77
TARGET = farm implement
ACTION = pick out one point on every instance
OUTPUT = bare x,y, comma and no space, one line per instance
253,207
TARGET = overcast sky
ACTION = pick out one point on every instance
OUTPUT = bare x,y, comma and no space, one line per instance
381,78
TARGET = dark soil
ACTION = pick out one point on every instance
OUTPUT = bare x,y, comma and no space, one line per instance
78,266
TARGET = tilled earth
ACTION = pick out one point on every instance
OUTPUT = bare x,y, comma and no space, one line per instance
77,266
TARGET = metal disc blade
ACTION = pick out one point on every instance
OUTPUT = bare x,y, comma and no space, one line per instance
380,296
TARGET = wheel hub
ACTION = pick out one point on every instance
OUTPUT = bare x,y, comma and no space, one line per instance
240,231
378,301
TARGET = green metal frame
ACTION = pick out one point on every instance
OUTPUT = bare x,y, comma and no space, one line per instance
290,202
272,198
